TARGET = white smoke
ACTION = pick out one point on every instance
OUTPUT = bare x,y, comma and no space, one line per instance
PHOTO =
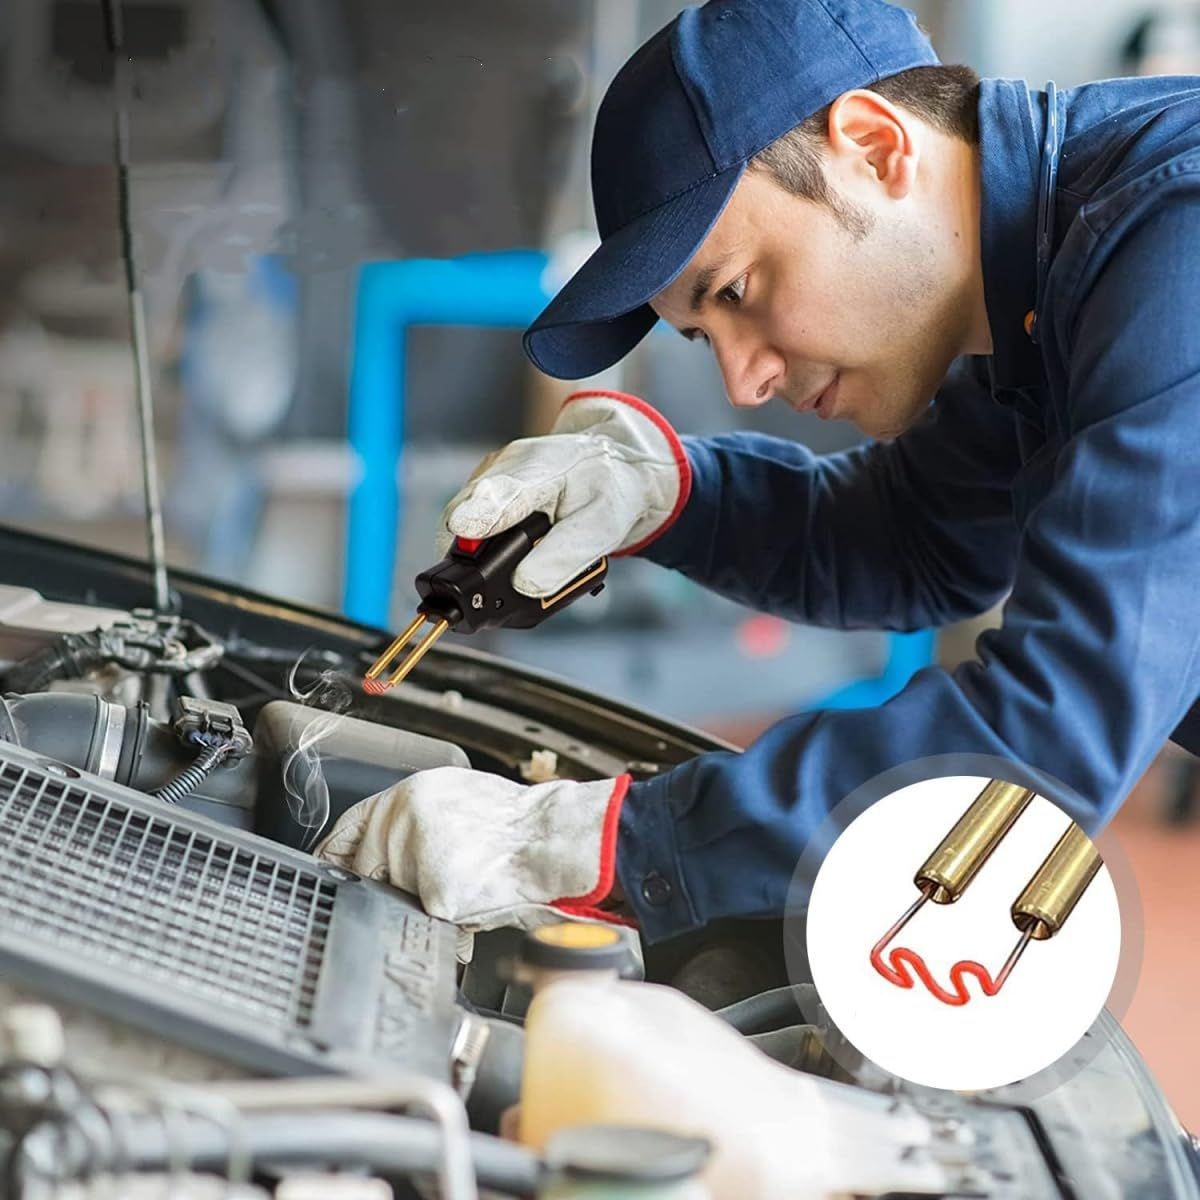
303,773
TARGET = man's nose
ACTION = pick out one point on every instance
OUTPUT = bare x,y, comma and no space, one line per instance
752,372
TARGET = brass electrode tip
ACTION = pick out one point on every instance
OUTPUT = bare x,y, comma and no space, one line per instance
948,871
1039,912
371,681
1049,898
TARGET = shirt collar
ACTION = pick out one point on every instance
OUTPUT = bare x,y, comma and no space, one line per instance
1011,124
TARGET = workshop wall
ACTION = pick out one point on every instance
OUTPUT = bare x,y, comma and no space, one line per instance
278,145
1069,41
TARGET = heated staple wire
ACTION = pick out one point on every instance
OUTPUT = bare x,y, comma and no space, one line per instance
903,967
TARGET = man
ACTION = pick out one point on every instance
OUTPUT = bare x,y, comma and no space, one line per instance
800,185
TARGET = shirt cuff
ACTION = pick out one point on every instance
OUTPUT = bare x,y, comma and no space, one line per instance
648,862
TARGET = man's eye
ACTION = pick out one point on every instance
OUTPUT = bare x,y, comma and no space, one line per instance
735,292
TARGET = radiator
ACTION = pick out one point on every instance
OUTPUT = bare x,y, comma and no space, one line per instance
210,937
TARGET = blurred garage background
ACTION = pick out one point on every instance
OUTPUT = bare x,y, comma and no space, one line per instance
313,417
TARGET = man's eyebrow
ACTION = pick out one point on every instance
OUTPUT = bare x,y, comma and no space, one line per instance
705,279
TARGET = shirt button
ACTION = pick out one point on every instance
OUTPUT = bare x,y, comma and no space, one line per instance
656,890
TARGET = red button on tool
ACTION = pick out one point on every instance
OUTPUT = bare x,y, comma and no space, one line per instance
468,545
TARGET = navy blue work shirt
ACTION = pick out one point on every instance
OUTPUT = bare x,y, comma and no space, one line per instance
1061,472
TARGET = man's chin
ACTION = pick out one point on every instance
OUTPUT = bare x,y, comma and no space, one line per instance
883,433
876,426
884,427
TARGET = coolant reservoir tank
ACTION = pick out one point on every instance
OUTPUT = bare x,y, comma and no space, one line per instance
600,1050
601,1159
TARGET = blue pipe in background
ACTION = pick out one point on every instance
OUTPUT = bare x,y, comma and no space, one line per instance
908,653
501,289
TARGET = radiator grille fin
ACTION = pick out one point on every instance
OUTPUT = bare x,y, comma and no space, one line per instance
192,911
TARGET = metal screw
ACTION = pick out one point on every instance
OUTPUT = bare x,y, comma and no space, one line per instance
55,768
477,600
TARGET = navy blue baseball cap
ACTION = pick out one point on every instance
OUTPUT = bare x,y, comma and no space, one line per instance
673,136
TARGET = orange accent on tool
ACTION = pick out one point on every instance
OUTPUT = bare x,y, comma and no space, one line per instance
468,545
895,968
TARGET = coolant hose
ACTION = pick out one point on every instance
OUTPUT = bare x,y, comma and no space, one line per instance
123,744
69,656
386,1145
768,1011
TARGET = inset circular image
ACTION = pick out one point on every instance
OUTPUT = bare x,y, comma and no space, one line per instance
963,933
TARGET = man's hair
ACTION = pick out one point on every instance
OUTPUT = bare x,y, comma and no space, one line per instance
945,96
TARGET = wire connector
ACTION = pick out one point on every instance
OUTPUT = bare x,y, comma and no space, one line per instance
209,723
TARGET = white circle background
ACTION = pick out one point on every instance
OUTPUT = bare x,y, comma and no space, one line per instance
1053,995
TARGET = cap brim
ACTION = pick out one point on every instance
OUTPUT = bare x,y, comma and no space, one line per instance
602,312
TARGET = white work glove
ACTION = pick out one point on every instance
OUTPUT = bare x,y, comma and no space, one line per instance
484,852
611,475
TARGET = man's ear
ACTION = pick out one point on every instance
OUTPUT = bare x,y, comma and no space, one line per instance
867,130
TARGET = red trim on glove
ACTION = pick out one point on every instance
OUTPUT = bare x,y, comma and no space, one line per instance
585,906
681,460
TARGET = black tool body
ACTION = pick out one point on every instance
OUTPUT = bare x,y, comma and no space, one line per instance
471,588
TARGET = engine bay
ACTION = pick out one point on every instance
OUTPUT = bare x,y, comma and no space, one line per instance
240,1007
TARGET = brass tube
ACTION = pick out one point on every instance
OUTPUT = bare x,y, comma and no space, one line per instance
418,652
976,834
384,661
1050,896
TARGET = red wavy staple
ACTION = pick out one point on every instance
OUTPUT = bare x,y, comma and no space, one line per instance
895,970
